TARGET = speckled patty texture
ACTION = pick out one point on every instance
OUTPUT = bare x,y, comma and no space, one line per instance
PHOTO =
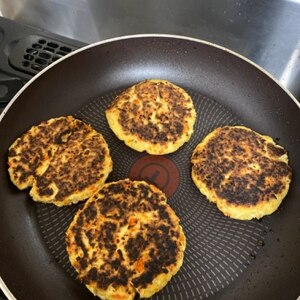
126,240
63,160
246,174
155,116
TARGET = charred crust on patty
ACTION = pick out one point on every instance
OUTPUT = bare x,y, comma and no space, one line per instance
132,232
241,167
63,160
152,113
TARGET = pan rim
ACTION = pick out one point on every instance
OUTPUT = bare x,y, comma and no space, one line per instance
150,35
3,286
6,291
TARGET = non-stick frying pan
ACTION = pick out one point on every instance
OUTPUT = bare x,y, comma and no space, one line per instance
225,259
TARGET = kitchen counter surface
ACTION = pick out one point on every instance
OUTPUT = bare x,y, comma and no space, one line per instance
267,32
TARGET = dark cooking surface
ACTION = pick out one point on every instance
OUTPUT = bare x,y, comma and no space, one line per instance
250,96
219,249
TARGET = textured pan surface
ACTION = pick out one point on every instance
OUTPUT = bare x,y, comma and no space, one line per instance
224,257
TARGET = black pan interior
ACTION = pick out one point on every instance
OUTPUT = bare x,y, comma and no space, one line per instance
226,90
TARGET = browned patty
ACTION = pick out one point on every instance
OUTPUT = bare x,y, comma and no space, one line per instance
155,116
246,174
63,160
126,240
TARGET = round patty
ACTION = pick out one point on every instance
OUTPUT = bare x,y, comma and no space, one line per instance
63,160
246,174
126,240
155,116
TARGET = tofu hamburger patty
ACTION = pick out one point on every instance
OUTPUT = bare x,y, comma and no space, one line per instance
63,160
154,115
126,240
245,173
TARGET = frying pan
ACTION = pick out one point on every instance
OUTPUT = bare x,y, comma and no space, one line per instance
225,259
